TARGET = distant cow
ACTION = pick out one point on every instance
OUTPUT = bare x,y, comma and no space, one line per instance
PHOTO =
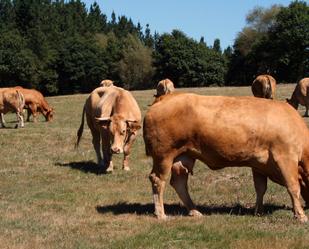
106,83
35,103
264,86
300,95
114,118
164,87
226,132
12,100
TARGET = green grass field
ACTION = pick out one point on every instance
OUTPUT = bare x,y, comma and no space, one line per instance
52,196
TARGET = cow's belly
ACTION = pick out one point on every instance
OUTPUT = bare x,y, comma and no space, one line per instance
220,158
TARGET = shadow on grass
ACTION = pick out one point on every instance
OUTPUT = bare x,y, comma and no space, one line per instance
84,166
176,209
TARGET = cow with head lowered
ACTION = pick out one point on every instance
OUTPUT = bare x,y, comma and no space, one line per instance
35,103
268,136
114,119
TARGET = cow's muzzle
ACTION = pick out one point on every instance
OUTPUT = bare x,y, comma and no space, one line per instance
116,150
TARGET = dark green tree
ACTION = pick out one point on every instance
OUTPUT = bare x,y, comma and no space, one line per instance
217,46
187,62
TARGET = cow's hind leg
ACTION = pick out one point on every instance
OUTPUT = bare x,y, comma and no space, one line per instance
158,177
20,120
2,122
306,112
182,166
289,171
260,185
303,169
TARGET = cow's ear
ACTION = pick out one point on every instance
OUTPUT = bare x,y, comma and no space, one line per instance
103,121
133,125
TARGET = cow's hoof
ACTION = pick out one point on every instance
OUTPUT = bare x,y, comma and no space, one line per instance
303,219
195,213
109,170
162,217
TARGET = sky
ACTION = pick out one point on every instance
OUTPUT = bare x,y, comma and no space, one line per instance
211,19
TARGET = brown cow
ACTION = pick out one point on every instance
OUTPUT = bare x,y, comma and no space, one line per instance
12,100
264,86
113,117
300,95
106,83
35,103
268,136
164,87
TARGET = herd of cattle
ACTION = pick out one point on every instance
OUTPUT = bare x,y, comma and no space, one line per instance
15,99
267,135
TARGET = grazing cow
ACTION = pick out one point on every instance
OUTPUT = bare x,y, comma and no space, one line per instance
264,86
268,136
106,83
35,103
12,100
113,117
300,95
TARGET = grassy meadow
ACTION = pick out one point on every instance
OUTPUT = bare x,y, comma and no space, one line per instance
52,196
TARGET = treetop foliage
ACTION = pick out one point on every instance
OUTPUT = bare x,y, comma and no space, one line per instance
61,47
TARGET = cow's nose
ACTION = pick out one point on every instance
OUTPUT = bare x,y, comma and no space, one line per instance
115,150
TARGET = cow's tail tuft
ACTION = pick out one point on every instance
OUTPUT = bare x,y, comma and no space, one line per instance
81,129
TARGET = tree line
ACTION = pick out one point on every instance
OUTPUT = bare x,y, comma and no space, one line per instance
61,47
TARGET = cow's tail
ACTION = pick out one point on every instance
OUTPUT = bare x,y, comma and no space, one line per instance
81,128
21,101
268,90
19,108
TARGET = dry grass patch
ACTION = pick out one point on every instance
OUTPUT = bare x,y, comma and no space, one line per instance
52,196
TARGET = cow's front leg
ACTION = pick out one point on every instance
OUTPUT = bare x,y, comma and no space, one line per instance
182,166
260,185
96,145
158,178
107,155
127,150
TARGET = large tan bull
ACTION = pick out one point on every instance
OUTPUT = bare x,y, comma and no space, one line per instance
35,103
264,86
11,100
300,95
114,118
268,136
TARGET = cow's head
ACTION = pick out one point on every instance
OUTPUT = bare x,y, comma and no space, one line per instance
49,114
119,128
